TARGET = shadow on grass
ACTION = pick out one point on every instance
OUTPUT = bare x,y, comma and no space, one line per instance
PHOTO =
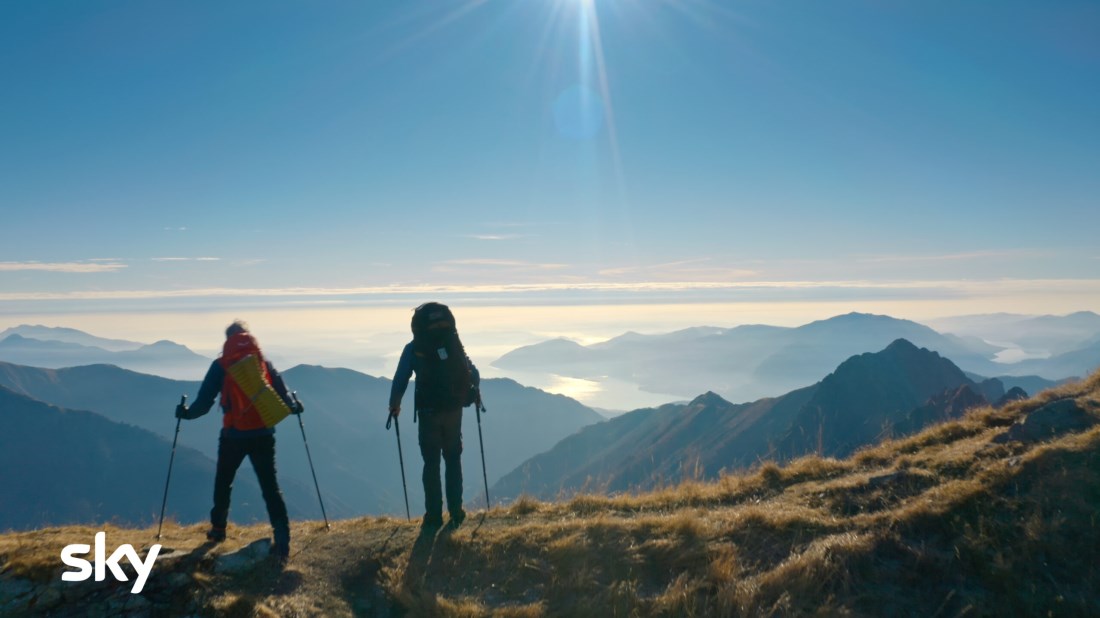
480,523
362,590
419,557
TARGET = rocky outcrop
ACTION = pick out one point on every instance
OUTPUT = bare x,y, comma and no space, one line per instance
172,590
1050,421
1014,394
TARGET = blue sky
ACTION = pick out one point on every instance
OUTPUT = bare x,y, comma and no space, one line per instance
160,155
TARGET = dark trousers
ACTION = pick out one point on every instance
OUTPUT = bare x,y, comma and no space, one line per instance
440,434
261,450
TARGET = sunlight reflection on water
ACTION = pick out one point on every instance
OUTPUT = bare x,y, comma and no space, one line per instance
607,394
576,388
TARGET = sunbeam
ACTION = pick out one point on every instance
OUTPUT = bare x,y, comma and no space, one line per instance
462,10
591,40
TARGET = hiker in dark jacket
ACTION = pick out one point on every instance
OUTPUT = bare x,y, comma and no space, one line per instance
439,406
243,434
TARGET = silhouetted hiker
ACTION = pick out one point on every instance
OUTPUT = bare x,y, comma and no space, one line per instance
247,431
446,381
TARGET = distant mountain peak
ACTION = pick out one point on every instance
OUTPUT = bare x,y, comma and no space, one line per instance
900,351
39,328
708,399
165,358
15,339
870,391
904,346
856,319
68,335
856,315
164,343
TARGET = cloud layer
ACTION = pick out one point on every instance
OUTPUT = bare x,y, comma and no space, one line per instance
62,267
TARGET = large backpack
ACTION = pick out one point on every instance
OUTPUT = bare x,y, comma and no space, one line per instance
247,395
443,377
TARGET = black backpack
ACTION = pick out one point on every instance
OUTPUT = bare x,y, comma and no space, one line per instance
443,377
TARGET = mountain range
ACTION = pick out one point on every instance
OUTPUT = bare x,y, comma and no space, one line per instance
160,358
69,335
355,457
540,443
749,362
870,396
1041,336
60,466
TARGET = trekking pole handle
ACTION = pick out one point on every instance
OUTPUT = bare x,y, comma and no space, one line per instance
183,400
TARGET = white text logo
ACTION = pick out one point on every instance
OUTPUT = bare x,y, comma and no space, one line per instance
84,568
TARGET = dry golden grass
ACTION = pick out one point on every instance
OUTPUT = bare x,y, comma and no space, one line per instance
941,523
524,505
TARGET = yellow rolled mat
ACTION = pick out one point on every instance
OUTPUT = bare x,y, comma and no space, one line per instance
248,375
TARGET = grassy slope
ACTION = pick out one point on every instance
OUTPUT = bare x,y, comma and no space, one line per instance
943,523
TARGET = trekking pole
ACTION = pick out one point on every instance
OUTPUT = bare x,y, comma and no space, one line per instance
401,459
479,408
298,404
171,459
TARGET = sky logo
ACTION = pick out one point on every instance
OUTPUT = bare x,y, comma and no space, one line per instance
84,568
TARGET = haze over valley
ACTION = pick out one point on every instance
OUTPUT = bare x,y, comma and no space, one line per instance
704,371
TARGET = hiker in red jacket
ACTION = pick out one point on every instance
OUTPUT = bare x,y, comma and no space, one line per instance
243,434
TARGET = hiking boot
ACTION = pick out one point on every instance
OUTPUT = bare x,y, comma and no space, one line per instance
432,522
215,534
457,517
280,552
